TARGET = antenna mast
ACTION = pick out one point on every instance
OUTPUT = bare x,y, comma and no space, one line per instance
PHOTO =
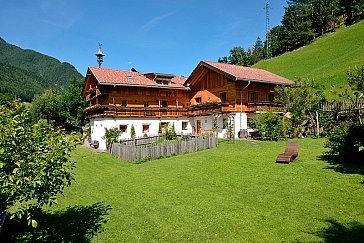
267,31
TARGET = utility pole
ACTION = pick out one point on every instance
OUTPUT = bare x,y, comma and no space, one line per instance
267,31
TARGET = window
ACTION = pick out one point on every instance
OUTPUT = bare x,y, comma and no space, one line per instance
223,97
123,103
270,97
145,128
162,81
184,125
164,126
123,128
146,104
198,100
164,103
252,96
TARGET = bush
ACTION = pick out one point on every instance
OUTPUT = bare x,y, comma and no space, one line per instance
111,136
171,133
132,131
347,141
270,126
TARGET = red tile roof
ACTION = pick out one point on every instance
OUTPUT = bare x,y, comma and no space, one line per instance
247,73
121,77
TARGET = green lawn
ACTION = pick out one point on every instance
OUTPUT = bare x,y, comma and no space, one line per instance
235,193
326,60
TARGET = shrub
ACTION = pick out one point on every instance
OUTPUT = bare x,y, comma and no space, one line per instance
132,131
185,137
170,133
347,141
111,136
270,126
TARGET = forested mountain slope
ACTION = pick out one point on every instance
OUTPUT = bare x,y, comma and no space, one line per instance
19,83
25,73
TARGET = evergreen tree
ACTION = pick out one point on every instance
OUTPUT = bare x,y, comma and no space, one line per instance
321,15
258,51
353,10
277,36
132,131
298,24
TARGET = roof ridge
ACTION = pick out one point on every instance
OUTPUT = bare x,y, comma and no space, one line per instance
235,65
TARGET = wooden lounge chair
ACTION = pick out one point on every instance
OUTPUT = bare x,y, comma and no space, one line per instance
290,154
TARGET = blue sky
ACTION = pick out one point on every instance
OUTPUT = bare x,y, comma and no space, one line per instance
169,36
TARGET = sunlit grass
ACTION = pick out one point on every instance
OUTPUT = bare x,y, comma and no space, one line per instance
233,193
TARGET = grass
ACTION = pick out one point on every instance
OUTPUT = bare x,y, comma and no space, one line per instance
235,193
326,60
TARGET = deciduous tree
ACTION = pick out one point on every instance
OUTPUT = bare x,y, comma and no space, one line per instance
73,106
111,136
302,101
48,106
35,164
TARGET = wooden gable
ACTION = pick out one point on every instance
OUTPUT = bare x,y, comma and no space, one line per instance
90,82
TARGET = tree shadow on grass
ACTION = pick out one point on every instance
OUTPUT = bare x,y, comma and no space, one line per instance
354,166
73,224
336,232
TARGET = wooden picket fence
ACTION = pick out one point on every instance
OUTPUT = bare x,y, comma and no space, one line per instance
134,153
346,105
148,140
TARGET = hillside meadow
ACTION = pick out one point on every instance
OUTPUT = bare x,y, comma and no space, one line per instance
234,193
326,60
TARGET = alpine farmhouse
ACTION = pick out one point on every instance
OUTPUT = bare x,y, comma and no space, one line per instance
214,96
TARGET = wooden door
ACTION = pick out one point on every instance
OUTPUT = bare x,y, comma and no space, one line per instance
198,127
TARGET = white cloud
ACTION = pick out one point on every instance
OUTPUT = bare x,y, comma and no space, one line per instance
155,21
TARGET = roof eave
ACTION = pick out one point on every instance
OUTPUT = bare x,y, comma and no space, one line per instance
146,86
262,81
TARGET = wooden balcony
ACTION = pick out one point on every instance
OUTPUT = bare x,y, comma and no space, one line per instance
166,112
118,111
208,109
93,94
261,106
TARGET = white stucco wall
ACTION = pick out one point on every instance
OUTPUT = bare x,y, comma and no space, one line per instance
240,121
98,126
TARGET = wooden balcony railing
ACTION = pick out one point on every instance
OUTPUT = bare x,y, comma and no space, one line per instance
118,111
208,109
260,106
197,110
